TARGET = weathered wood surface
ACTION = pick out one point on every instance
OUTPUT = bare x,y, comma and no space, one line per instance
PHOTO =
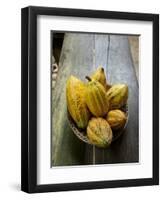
81,54
120,69
76,59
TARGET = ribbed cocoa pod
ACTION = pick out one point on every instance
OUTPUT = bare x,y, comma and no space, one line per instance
99,132
75,93
99,75
96,98
116,119
117,96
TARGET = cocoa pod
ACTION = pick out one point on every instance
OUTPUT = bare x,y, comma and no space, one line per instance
99,132
75,93
117,96
96,98
116,119
99,75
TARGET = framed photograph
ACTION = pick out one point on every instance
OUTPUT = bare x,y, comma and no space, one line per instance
90,99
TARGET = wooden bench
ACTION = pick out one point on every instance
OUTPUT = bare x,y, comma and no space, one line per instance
80,56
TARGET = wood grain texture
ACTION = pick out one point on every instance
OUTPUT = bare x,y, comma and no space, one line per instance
76,59
81,54
121,70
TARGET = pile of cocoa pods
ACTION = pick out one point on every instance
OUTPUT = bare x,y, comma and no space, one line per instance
95,106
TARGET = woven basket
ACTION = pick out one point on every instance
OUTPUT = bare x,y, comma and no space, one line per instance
81,134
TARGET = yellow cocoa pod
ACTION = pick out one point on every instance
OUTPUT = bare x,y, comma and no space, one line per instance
75,93
117,96
96,98
99,132
116,119
99,75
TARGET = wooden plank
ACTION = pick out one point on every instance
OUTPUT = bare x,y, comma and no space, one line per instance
101,50
121,70
76,59
101,58
134,47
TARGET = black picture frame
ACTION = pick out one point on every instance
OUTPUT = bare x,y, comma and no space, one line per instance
29,98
